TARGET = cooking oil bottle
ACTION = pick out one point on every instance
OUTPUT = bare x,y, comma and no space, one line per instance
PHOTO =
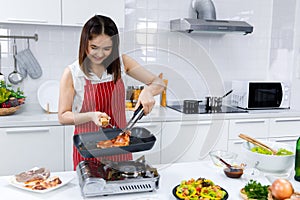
163,98
297,161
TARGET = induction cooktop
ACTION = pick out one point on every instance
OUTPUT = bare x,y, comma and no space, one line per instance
203,110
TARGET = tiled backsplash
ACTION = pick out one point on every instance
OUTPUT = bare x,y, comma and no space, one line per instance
196,64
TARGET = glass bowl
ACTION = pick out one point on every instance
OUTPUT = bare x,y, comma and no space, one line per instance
227,156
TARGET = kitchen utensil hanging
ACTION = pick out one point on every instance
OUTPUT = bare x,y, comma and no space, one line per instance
27,59
15,77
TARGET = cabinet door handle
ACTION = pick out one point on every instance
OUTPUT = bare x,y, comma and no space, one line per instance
287,120
27,130
285,140
238,142
27,20
250,122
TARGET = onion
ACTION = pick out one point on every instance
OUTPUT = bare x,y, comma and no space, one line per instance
282,189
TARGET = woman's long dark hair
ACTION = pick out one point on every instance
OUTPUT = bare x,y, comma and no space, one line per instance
95,26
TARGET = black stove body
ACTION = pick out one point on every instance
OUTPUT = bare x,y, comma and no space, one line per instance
203,109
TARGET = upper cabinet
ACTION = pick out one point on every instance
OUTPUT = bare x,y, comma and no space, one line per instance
60,12
31,12
76,13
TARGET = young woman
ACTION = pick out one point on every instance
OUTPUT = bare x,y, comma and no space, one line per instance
92,88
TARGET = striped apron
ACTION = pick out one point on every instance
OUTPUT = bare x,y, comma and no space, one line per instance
104,97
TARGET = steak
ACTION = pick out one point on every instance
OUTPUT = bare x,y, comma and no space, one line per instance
33,174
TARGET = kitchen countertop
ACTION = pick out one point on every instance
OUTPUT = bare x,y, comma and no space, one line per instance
34,115
170,176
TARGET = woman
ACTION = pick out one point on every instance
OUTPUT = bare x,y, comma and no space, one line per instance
92,87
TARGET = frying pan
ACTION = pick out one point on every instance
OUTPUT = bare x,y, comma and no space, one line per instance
86,143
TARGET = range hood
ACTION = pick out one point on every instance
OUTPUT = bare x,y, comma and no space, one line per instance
206,21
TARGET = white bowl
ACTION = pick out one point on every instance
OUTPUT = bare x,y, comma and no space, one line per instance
269,163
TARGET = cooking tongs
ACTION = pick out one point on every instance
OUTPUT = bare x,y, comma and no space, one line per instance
137,115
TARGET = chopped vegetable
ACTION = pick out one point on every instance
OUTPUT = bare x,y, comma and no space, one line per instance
7,92
280,152
283,152
199,189
255,190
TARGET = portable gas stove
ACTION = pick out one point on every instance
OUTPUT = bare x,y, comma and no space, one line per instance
108,177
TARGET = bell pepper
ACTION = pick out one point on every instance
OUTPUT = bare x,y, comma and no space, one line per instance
4,95
185,191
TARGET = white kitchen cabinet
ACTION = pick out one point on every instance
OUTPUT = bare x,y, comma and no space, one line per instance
284,127
68,147
23,148
285,130
185,141
153,155
286,140
256,128
76,13
31,12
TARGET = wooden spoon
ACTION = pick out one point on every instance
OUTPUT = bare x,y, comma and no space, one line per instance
257,143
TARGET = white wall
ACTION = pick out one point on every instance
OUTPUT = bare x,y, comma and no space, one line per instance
195,64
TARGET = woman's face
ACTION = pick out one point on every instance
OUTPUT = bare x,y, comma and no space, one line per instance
99,48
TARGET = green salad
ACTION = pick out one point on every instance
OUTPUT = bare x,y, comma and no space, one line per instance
280,151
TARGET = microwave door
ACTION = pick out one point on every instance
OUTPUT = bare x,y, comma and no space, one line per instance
265,95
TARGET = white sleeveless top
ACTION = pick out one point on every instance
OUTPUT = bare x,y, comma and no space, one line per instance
79,82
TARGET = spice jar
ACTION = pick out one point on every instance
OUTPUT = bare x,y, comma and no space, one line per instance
128,104
136,92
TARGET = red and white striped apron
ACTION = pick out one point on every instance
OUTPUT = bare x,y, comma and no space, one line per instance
104,97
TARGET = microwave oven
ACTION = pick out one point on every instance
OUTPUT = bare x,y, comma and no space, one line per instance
260,94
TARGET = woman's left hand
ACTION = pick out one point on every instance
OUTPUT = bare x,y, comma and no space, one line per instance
147,100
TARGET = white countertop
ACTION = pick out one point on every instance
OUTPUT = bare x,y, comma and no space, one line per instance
34,115
170,176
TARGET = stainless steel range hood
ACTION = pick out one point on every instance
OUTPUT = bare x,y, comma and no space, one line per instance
206,21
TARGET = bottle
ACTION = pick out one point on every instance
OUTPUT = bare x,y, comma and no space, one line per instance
163,97
297,161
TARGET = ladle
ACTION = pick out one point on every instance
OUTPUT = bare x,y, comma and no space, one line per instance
15,77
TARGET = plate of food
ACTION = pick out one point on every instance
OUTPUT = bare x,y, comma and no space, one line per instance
200,188
39,180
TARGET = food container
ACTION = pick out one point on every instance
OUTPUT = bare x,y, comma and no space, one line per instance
190,106
136,92
269,163
213,103
133,92
228,156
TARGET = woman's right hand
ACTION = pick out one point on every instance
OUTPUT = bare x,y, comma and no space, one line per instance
96,117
